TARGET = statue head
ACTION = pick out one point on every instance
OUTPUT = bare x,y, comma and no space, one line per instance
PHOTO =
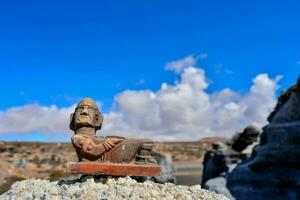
86,114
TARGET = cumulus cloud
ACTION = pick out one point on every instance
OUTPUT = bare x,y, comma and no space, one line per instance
179,65
180,111
258,103
34,117
185,111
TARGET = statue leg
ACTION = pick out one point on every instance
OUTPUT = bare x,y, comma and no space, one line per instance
144,154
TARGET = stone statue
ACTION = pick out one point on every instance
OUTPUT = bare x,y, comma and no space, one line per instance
85,121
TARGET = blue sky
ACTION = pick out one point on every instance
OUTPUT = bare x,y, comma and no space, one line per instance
54,52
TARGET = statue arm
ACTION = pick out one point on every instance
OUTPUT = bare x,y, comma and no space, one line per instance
94,149
88,146
85,145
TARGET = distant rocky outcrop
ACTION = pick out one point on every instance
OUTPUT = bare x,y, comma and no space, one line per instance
23,160
273,171
167,168
179,151
112,189
224,156
244,141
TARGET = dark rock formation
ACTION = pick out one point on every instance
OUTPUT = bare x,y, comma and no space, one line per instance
226,155
214,163
245,138
273,170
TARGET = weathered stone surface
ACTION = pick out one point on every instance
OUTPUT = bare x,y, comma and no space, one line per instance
167,168
287,100
98,155
215,162
112,189
85,121
218,185
113,169
273,170
226,155
242,140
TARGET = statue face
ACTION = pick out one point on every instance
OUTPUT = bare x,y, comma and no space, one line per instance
85,116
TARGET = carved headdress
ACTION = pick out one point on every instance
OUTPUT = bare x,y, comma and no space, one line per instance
92,104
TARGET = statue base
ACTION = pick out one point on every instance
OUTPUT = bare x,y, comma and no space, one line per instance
113,169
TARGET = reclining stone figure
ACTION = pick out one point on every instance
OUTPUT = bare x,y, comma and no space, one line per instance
90,148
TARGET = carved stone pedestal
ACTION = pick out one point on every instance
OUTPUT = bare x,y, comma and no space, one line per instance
113,169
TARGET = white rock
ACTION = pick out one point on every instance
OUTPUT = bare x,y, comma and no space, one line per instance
113,189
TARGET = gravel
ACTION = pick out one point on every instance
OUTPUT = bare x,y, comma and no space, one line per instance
108,189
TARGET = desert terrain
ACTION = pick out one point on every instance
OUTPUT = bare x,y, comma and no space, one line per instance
23,160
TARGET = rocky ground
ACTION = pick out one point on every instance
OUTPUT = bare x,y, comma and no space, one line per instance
113,189
188,172
187,151
23,160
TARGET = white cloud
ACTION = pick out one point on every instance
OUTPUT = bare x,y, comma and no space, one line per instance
180,111
256,102
34,117
179,65
185,111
